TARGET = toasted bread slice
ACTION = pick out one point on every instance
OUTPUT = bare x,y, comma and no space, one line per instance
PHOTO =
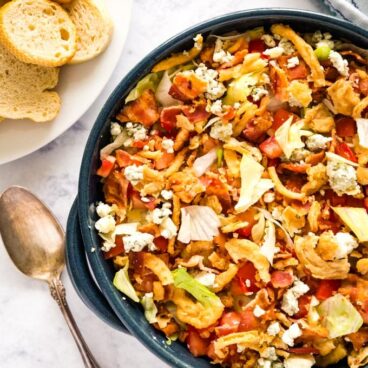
94,28
38,32
24,89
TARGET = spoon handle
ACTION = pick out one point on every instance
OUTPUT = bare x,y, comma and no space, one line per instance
58,293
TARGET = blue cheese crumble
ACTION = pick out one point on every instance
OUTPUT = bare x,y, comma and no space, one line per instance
215,89
138,241
222,132
342,178
134,173
317,142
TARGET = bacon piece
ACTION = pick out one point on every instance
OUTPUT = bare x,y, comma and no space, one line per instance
168,117
196,113
256,128
124,159
281,279
187,86
116,189
143,110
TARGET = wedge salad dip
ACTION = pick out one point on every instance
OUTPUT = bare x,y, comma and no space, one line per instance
235,199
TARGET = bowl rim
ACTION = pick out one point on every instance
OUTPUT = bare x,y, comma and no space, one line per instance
102,278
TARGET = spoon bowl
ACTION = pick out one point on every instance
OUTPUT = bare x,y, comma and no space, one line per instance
32,236
35,242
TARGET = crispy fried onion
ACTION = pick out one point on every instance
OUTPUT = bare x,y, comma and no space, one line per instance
281,188
243,148
252,63
158,267
182,58
244,249
313,215
193,312
320,269
269,217
343,96
360,107
195,261
225,277
359,358
304,50
253,340
240,125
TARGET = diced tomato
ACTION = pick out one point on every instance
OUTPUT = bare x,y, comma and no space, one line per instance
304,350
118,249
161,243
271,148
345,151
327,288
196,344
303,304
279,118
257,45
246,277
298,72
245,231
248,321
106,167
164,161
168,117
281,279
345,126
229,323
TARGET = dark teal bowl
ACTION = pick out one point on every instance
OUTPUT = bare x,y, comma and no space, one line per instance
90,192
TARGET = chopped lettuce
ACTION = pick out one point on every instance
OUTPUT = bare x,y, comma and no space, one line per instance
122,283
339,316
239,89
288,136
362,125
356,219
183,280
150,81
252,184
150,309
162,92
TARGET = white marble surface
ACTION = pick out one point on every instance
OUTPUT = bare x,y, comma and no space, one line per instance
32,331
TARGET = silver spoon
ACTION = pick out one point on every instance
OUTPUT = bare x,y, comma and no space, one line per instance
35,242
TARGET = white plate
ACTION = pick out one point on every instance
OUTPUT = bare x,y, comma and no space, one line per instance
79,86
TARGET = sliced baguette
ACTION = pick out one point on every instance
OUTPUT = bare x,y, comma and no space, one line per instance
24,89
94,28
38,32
